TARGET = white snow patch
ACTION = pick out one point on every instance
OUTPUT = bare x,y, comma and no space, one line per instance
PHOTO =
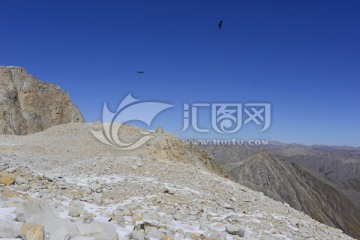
7,213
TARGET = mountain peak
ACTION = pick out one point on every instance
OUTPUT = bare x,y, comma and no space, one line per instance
28,105
260,156
264,154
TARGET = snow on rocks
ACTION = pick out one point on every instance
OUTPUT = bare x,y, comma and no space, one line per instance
235,230
48,175
75,208
9,229
103,196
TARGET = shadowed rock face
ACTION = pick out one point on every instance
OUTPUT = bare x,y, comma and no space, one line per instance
28,105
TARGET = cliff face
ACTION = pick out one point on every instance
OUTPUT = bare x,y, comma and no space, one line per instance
28,105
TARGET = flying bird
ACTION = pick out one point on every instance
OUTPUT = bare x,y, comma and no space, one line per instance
140,72
220,24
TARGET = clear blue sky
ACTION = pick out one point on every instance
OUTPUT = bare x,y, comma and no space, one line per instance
301,56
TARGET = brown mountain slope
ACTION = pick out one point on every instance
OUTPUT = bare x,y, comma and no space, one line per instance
300,188
339,165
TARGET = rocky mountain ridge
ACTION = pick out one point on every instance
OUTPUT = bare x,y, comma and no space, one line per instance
64,177
28,105
281,172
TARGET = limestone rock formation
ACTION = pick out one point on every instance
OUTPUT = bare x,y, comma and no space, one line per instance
28,105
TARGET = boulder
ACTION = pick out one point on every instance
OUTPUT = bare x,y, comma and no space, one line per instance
97,230
32,208
49,175
138,235
9,229
32,231
75,208
235,230
154,233
21,180
83,238
60,234
11,169
159,130
96,187
7,178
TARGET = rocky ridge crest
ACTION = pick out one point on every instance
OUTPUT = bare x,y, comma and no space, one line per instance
28,105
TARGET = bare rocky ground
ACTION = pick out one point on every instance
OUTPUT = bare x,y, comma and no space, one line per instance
64,184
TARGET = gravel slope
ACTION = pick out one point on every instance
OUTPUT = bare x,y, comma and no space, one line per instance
164,190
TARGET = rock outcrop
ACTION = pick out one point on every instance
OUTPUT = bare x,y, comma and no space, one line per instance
28,105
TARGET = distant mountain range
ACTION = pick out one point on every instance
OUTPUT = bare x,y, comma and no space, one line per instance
321,181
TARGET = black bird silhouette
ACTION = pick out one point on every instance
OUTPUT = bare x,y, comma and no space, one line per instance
220,24
140,72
